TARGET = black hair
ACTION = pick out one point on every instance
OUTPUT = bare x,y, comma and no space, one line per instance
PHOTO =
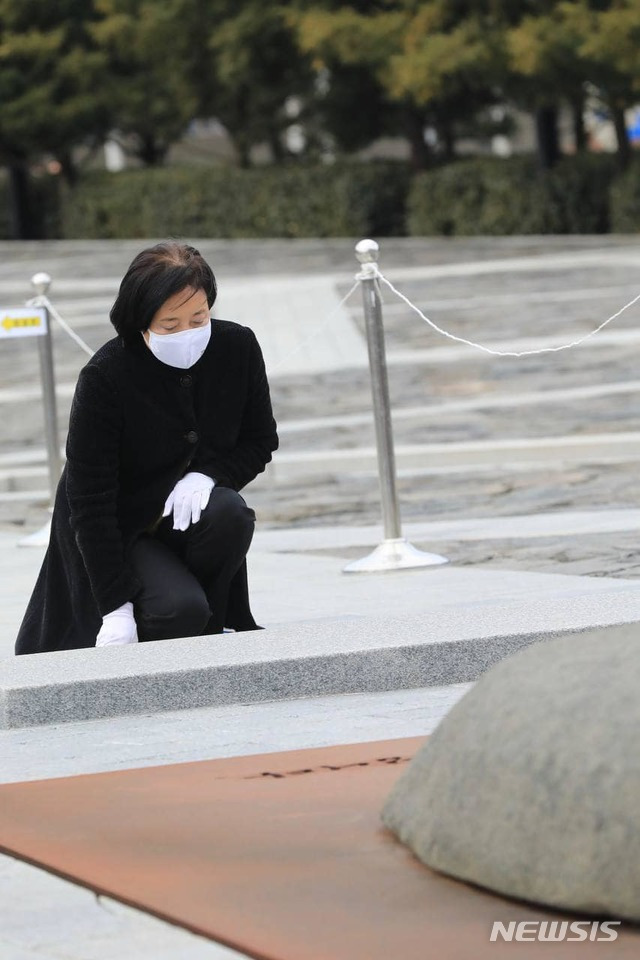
154,275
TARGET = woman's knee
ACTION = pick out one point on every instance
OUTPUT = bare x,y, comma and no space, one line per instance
228,513
172,614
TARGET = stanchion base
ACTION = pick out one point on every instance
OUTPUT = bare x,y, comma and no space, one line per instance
38,539
394,555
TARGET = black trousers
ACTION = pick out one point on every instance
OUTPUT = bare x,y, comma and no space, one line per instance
186,575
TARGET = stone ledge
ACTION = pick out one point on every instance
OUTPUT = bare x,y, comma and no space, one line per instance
304,659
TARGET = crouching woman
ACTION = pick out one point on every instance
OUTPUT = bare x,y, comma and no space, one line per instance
170,419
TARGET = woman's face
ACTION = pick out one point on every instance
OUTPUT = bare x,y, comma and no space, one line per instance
185,310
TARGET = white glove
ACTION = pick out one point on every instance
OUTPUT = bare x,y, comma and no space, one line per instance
188,499
118,627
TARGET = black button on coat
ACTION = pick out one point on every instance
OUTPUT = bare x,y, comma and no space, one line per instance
134,431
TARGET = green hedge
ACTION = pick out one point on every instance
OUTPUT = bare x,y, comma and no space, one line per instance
496,196
625,201
487,195
322,201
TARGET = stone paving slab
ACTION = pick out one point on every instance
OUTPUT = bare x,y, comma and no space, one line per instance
326,633
314,586
289,583
298,323
43,917
320,657
177,736
601,448
436,353
563,523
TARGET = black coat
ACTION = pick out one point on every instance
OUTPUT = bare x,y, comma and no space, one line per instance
136,427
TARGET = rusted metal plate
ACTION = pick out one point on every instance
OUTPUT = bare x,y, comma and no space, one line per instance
281,856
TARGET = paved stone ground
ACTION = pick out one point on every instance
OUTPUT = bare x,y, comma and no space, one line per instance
504,290
610,555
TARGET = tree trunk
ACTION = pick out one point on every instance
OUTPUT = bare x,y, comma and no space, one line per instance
414,126
21,218
579,129
547,136
69,169
243,147
448,140
151,151
622,137
275,145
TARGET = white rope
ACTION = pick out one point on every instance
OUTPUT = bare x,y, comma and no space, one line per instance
43,301
316,331
498,353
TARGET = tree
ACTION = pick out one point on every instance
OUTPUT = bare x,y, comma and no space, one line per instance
348,107
545,69
49,92
439,62
451,64
254,68
173,60
608,46
147,45
563,45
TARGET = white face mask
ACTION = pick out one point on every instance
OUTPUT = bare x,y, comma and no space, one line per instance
182,349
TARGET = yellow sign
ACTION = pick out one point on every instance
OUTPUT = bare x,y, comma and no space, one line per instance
11,323
29,322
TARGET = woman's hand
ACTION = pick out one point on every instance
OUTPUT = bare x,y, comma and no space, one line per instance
118,627
188,499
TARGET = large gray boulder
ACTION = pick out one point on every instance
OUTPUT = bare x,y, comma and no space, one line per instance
531,784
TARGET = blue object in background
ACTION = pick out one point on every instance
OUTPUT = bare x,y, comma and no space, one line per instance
634,129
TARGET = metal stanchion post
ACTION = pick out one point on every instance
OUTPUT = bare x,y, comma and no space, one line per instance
41,283
395,552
